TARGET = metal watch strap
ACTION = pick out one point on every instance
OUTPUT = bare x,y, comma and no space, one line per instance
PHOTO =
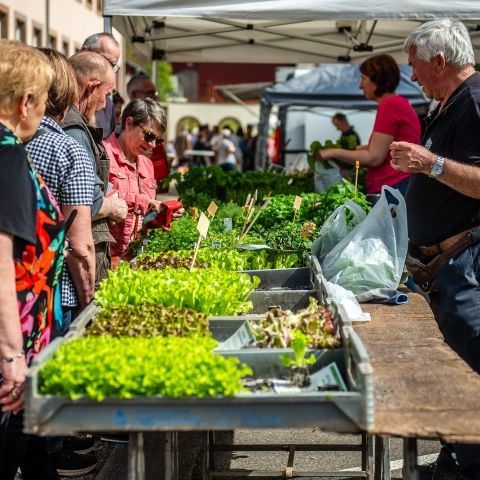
437,167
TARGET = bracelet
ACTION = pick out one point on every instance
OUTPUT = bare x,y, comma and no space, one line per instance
12,359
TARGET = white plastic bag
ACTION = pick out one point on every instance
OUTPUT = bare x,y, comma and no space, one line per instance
369,260
336,228
325,177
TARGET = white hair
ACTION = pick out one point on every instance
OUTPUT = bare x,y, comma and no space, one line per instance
447,37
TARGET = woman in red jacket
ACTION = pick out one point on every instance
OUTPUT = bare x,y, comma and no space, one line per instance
131,171
396,120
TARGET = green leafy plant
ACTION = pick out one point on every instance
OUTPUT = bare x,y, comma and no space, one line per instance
161,260
299,346
292,236
149,321
211,291
201,185
316,207
277,329
182,236
103,367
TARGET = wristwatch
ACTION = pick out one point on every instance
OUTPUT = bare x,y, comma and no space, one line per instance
437,167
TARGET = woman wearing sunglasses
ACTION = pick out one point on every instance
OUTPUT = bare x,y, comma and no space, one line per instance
131,171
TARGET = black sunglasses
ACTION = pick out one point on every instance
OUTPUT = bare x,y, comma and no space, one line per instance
149,136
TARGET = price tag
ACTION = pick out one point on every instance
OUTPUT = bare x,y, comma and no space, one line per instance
203,225
297,203
212,209
228,224
242,338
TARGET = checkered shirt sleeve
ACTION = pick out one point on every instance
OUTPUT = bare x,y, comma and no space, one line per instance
68,172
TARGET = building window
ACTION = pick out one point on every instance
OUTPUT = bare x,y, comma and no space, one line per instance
3,23
77,48
37,35
52,41
20,30
66,47
100,7
90,4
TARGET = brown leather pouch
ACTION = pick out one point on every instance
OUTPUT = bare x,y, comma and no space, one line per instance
425,275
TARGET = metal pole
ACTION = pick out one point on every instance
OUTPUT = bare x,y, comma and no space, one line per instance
47,24
410,471
107,24
154,72
367,455
171,456
136,457
382,458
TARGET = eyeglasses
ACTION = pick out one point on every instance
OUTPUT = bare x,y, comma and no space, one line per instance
115,66
149,137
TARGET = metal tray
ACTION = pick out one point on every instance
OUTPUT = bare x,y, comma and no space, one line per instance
262,300
350,411
286,278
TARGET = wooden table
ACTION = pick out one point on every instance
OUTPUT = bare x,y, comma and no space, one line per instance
422,388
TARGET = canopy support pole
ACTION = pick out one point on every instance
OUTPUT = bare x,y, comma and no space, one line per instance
107,24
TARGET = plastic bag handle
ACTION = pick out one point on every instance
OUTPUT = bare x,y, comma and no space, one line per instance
394,192
356,209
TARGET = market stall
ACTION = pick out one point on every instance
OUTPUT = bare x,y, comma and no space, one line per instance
102,393
329,86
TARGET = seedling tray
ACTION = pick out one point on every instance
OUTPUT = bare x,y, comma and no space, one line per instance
286,278
350,411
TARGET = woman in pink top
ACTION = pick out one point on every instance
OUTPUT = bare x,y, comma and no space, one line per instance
131,171
396,120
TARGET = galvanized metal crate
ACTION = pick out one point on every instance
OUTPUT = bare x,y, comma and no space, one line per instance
286,278
350,411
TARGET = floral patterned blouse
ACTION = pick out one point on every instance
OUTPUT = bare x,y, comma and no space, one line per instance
29,213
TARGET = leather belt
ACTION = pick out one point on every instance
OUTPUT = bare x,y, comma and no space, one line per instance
444,245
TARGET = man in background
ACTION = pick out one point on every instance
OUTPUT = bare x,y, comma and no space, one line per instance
105,44
349,138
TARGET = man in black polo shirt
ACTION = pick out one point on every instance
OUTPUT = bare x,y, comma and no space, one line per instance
349,138
443,199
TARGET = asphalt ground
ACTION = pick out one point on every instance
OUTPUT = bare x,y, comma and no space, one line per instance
112,458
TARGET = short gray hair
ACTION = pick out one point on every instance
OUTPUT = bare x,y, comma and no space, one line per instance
144,111
92,43
447,37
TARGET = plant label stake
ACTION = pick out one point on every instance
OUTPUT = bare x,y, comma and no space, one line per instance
249,209
297,203
261,209
357,166
202,228
212,209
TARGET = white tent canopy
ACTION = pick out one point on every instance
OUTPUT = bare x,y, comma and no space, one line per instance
278,31
297,10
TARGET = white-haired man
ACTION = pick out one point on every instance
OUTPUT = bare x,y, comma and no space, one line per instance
107,46
443,200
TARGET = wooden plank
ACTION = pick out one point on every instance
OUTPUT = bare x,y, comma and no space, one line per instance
422,388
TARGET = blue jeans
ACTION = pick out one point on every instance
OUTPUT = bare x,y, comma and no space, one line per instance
227,167
69,315
456,306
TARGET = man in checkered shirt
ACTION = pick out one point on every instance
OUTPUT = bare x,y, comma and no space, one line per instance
69,174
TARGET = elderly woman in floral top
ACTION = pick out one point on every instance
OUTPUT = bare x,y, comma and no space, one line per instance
31,255
131,171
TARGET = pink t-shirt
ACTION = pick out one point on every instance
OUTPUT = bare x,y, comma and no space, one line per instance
395,117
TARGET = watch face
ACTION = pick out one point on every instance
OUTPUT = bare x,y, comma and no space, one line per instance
437,167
